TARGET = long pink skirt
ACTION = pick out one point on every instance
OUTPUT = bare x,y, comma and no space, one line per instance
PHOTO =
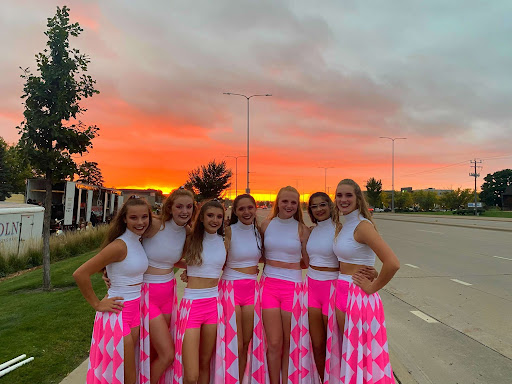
229,344
167,376
301,369
106,356
365,356
333,347
217,363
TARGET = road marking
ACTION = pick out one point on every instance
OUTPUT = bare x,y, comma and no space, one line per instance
499,257
460,282
424,230
425,317
412,266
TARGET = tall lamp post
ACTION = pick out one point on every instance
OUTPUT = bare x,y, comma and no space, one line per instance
236,173
393,168
325,177
247,190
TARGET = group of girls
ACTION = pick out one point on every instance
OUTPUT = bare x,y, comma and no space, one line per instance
230,327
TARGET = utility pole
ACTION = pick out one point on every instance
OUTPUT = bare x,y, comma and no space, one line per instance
475,175
325,177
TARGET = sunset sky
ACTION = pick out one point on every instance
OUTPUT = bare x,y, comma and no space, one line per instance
342,73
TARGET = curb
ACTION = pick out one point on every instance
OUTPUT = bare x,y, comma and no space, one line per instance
401,373
445,224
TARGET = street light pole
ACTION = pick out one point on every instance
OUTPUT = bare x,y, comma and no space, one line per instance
393,168
236,173
247,190
325,177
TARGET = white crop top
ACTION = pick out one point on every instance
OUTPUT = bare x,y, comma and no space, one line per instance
130,270
213,256
319,246
282,242
347,249
243,247
164,249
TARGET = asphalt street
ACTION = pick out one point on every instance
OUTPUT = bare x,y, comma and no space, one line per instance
449,308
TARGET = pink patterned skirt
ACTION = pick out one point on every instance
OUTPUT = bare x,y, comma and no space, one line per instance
365,356
106,356
167,376
301,369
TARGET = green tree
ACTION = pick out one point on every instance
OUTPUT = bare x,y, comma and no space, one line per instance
403,200
20,168
385,199
373,191
89,172
425,199
494,186
209,181
5,173
50,132
456,199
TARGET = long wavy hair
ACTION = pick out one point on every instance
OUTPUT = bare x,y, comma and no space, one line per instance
194,247
234,218
361,204
325,197
167,207
275,209
118,225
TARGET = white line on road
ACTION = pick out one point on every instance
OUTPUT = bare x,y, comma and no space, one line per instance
412,266
499,257
460,282
424,230
425,317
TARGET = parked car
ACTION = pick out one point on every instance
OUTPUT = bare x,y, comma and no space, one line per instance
378,210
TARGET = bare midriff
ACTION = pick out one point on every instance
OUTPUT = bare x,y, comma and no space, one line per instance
282,264
159,271
247,270
350,269
201,282
324,269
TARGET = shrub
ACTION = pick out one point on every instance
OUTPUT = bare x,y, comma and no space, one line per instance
68,244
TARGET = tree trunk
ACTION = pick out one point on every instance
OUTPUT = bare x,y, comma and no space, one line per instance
46,232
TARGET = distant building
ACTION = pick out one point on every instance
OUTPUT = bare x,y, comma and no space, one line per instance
406,189
154,197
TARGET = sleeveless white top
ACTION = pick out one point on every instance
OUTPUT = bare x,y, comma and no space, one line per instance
213,256
126,275
347,249
282,242
319,246
243,247
164,249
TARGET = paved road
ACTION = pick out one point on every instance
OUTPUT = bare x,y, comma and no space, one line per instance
503,224
461,280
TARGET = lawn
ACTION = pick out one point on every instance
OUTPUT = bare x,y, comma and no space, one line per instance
55,327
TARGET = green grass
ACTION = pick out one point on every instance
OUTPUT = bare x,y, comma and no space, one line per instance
55,327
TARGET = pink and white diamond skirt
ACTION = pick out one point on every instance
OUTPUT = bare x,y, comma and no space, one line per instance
302,369
218,360
365,356
106,356
172,299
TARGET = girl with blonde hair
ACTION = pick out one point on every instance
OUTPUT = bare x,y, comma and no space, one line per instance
283,291
359,308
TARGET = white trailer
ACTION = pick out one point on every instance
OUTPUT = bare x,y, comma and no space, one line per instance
19,223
